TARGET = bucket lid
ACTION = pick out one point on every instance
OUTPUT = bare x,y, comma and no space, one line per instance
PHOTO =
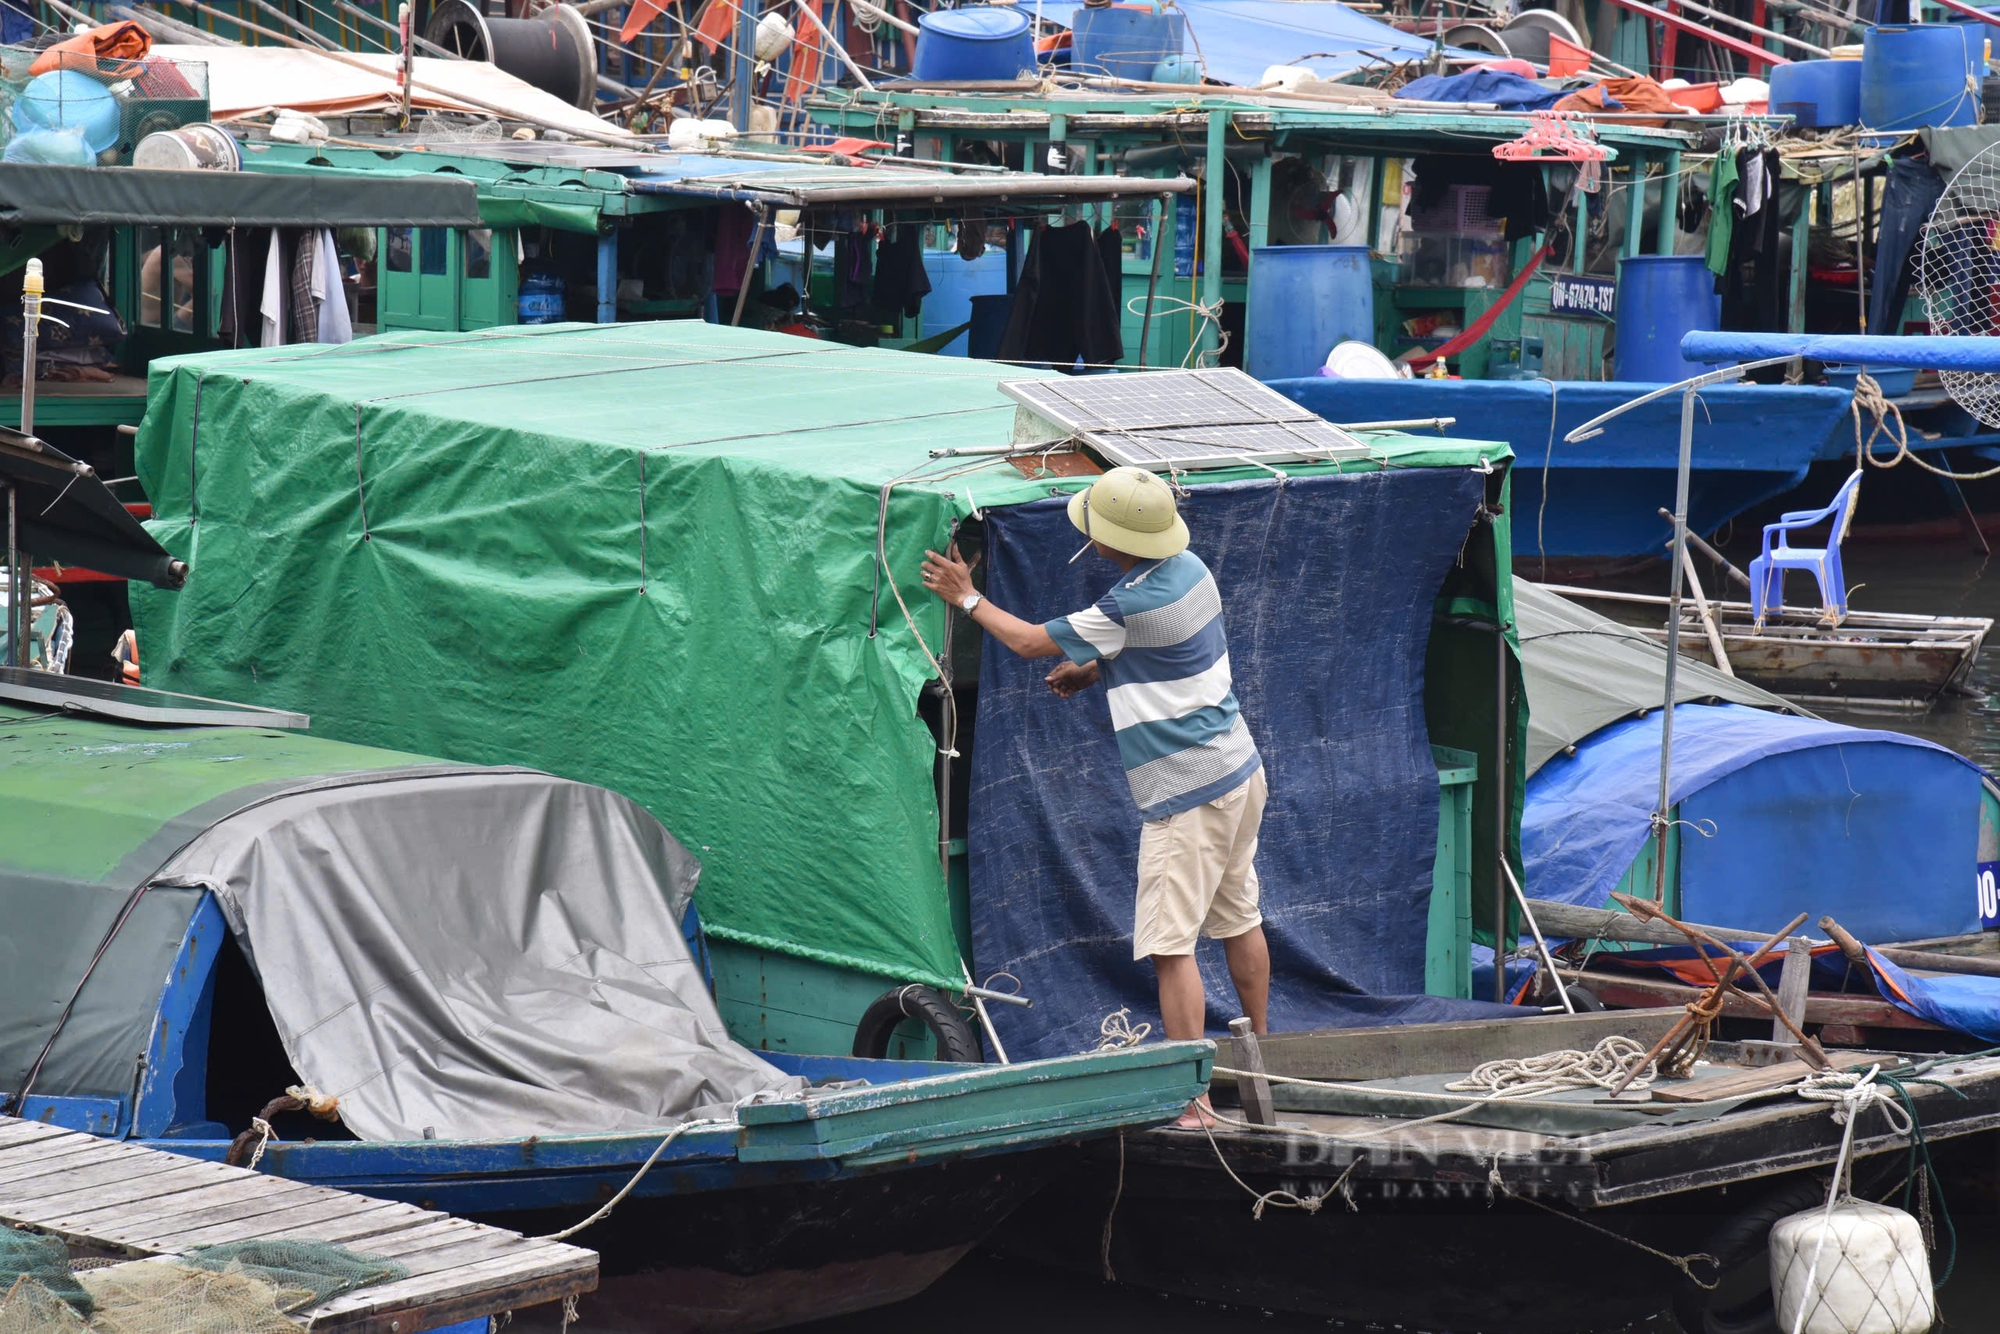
982,23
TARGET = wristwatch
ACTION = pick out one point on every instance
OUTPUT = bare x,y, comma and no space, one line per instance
969,601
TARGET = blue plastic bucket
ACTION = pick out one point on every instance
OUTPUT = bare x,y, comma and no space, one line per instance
66,99
1125,41
1820,94
1921,77
983,42
1303,300
1661,298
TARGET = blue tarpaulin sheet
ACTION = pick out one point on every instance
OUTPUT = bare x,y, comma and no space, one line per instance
1239,39
1964,1003
1509,92
1781,815
1327,587
1935,352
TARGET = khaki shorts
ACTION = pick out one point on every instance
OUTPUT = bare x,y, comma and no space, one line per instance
1195,876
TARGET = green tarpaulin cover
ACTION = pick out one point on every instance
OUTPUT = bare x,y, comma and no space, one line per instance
133,196
640,555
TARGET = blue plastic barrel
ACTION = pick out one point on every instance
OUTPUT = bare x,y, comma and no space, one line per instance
1922,76
541,300
1820,94
1660,298
989,325
983,42
1303,300
1125,41
954,285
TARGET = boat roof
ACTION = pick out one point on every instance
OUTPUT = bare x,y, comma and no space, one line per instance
33,194
578,187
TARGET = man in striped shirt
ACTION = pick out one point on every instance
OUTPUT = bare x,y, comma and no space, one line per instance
1156,642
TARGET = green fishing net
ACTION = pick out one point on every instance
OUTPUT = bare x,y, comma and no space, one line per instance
320,1269
43,1259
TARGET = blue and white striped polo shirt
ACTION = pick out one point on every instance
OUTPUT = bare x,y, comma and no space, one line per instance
1157,637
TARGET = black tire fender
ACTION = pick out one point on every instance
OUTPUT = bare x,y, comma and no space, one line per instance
955,1038
1737,1243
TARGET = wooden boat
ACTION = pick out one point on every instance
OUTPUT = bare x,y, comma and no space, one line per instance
1877,656
1366,1190
825,1185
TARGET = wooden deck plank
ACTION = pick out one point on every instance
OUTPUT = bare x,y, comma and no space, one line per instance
145,1200
78,1171
17,1133
280,1215
174,1180
63,1159
544,1262
224,1202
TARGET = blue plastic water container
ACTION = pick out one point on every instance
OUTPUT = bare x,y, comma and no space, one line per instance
1925,76
541,299
1303,300
1661,298
983,42
1820,94
66,99
1125,41
954,284
989,325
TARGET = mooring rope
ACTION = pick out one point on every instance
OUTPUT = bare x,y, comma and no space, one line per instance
1604,1066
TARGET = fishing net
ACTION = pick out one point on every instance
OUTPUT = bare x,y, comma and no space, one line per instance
45,1260
30,1308
154,1297
86,110
1959,275
319,1269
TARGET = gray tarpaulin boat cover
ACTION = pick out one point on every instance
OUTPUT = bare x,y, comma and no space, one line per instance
485,953
1585,671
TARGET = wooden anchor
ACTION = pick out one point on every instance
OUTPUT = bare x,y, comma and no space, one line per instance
1702,1012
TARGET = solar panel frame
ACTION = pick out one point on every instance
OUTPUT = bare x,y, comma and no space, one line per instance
1185,420
139,704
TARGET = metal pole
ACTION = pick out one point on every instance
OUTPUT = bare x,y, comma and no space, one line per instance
743,65
1215,171
1500,730
1661,819
31,324
16,622
1160,242
750,269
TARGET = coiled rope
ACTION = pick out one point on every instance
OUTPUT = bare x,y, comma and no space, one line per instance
1889,424
1604,1066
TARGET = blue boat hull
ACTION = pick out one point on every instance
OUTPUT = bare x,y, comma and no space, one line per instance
1601,498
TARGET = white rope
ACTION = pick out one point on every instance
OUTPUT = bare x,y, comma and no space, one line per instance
1853,1094
1604,1066
1118,1031
264,1136
1174,305
612,1203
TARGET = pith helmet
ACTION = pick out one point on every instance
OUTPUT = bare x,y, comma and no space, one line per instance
1130,510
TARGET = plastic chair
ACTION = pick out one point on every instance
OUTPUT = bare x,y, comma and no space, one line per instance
1767,572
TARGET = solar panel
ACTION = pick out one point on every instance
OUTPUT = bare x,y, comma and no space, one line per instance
81,694
1184,420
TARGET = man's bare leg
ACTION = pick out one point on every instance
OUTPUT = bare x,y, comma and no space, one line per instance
1250,969
1184,1012
1183,1008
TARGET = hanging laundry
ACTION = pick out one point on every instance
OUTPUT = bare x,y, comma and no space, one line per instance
1913,191
901,281
1065,307
328,293
301,315
856,276
734,225
1723,177
971,238
1753,295
271,328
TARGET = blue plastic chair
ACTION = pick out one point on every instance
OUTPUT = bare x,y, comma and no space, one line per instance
1767,572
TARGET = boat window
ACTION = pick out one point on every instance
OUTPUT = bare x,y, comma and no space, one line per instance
430,250
149,275
180,281
479,253
400,244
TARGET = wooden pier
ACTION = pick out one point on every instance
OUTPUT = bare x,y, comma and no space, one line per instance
107,1196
